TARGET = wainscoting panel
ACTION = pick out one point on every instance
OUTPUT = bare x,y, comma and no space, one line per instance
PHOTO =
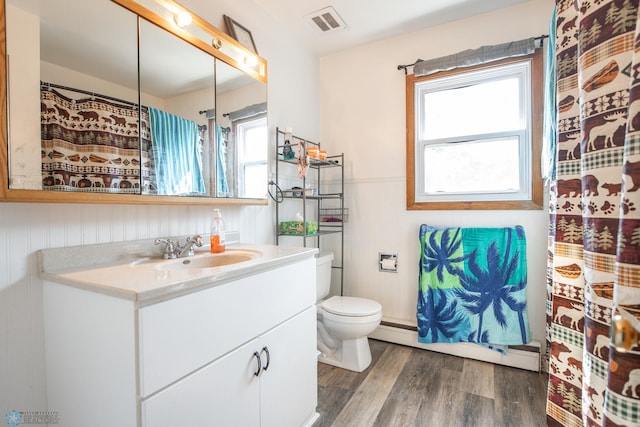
27,228
379,222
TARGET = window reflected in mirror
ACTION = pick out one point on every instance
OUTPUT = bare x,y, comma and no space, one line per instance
252,164
241,123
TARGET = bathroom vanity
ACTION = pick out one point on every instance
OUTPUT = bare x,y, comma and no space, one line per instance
139,341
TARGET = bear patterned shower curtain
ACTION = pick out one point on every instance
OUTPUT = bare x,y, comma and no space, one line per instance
594,243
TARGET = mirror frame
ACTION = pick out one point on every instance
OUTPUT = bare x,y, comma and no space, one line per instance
42,196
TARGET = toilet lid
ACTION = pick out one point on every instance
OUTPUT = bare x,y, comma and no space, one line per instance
351,306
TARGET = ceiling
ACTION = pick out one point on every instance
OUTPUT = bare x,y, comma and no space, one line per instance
66,36
371,20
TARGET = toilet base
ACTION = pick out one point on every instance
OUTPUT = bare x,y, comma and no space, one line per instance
353,355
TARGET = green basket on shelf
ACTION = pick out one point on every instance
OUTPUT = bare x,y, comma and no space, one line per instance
296,228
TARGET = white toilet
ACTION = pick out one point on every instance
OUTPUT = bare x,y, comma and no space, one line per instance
343,323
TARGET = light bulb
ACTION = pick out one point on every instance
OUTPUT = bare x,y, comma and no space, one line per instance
250,60
182,19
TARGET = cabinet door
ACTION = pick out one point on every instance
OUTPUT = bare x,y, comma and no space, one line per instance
225,393
181,335
288,387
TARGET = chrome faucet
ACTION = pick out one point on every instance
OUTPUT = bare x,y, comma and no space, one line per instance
175,250
169,251
187,249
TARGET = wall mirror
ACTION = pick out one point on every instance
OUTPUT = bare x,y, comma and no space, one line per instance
113,104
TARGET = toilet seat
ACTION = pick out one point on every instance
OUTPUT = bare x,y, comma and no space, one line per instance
351,306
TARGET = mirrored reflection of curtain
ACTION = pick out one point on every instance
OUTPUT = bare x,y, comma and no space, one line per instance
91,144
221,163
594,242
177,155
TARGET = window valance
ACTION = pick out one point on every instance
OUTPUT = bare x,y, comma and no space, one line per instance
250,111
470,57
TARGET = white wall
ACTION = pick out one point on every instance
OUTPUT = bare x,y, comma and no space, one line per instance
363,115
26,228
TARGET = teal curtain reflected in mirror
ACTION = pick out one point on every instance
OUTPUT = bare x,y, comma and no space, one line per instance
177,153
221,169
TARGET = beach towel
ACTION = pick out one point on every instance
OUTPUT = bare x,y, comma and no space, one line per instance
472,286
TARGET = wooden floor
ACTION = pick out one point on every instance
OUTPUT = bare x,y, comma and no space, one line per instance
406,386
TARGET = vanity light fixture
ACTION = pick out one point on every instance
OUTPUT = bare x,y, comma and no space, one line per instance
171,16
250,61
182,19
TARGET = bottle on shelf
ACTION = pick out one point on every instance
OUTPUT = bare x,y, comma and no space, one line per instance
217,233
287,151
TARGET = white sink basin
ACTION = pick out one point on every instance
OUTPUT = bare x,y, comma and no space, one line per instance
208,260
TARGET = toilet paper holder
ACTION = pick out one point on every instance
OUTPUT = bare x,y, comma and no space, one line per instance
387,262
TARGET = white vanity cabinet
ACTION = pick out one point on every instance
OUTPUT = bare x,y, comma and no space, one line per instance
239,353
222,393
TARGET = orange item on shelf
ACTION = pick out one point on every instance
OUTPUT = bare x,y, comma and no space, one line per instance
322,154
313,152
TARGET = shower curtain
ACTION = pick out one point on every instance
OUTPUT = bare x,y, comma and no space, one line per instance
221,163
594,239
91,144
177,154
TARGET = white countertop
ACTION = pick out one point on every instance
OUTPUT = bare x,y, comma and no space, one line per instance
135,270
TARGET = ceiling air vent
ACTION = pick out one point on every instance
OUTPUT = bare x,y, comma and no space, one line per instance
326,19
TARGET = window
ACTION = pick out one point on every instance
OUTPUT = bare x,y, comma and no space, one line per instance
252,165
474,137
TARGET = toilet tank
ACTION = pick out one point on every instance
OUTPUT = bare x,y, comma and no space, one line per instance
323,274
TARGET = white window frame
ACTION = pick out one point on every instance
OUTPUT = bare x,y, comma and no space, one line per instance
529,193
241,127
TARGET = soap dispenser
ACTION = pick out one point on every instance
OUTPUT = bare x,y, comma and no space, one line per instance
217,233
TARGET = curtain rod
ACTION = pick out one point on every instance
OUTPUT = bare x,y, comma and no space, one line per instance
97,95
224,130
86,92
404,67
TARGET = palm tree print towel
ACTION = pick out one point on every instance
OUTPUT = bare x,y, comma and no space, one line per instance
472,286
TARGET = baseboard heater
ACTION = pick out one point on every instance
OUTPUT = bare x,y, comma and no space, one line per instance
519,356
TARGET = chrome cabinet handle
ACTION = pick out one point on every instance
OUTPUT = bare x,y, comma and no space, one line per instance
266,350
257,356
